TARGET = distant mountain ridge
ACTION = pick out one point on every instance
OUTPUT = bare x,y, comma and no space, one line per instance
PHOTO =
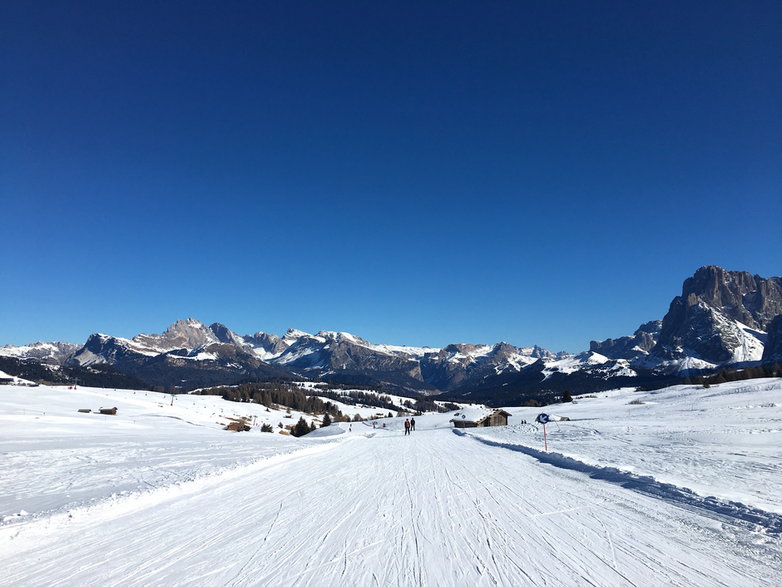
191,354
721,318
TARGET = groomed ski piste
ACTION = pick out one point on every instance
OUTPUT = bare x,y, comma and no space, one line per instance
680,486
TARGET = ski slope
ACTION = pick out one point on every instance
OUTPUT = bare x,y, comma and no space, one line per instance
357,505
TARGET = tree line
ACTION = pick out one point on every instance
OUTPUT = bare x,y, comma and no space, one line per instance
726,375
275,394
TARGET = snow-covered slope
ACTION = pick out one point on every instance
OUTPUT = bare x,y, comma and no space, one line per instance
13,380
675,487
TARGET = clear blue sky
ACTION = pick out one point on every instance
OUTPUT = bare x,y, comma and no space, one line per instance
413,172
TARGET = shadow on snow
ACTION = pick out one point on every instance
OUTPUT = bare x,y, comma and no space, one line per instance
726,511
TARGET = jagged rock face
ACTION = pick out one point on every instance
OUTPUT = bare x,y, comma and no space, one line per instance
448,367
171,359
190,353
342,355
225,335
100,348
181,334
456,364
270,343
751,300
773,349
49,353
629,347
693,327
706,320
348,356
335,352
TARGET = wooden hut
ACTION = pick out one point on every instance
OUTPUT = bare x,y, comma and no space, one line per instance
495,418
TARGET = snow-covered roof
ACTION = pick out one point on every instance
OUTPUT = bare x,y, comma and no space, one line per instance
475,414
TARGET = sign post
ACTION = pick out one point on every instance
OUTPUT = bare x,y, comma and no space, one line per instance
543,419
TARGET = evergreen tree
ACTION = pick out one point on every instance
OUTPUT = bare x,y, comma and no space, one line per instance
326,421
301,428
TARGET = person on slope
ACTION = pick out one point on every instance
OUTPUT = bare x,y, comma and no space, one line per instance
412,424
407,426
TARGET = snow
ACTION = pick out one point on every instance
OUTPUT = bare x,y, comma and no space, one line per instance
387,349
413,351
16,380
365,411
39,349
751,345
293,336
572,363
472,414
262,354
201,356
294,353
721,441
679,487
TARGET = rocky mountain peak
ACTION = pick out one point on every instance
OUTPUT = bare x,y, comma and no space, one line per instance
709,320
342,337
225,334
292,334
639,344
189,333
751,300
270,343
187,325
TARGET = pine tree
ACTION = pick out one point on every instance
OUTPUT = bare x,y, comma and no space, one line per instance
301,428
326,421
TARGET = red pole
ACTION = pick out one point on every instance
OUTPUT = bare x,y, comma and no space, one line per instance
545,441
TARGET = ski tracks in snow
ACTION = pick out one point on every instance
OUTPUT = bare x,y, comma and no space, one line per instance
429,509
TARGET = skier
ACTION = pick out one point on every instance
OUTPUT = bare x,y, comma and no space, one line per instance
407,426
412,424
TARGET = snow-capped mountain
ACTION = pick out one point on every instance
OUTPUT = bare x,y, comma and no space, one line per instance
340,355
189,353
51,353
629,347
721,318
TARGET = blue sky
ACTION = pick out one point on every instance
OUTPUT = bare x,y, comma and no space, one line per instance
415,173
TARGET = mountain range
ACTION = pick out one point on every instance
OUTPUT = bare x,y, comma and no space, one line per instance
721,318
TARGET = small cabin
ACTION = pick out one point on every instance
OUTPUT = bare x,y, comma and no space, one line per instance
238,425
495,418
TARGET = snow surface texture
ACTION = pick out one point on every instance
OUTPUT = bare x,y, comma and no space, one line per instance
681,487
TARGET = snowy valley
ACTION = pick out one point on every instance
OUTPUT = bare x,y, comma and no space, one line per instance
678,486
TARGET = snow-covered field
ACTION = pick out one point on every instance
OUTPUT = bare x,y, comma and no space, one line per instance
681,487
